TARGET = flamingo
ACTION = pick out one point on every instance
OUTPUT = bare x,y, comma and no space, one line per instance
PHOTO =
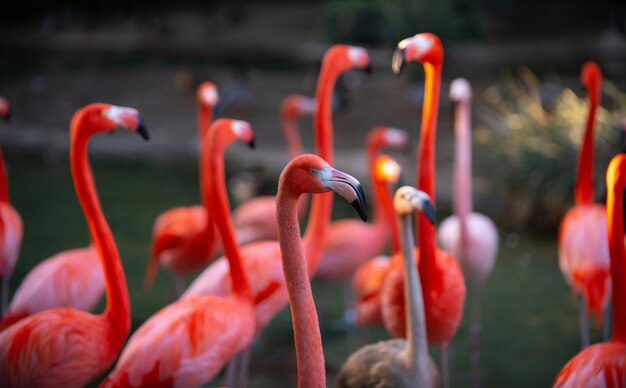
349,242
71,278
442,279
604,364
255,219
184,237
399,362
66,347
469,236
307,173
583,248
369,276
11,229
262,258
188,342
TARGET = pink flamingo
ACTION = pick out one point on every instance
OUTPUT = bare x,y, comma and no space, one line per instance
399,362
440,273
255,219
71,278
604,364
369,276
188,342
262,258
11,229
583,248
307,173
184,237
469,236
66,347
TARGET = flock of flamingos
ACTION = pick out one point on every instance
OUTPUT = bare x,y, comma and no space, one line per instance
48,337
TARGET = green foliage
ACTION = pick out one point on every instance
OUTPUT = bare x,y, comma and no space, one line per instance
386,22
530,146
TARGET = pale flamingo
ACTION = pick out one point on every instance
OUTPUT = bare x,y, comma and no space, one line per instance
604,364
262,258
307,173
442,279
349,242
11,228
184,238
71,278
369,276
66,347
469,236
583,248
255,219
188,342
399,362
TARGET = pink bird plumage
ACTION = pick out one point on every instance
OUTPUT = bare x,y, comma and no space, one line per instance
66,347
71,278
188,342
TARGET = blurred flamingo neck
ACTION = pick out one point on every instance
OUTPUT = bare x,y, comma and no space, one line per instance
220,210
417,344
463,168
618,258
426,165
292,134
319,217
584,178
204,120
117,312
4,184
323,113
307,336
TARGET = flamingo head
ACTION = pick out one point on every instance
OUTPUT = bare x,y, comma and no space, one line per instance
207,94
344,57
387,137
591,78
229,130
408,199
296,105
5,110
387,170
311,174
99,117
460,90
424,47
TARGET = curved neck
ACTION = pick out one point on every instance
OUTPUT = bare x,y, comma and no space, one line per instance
117,310
307,336
220,210
426,166
205,116
4,184
463,167
615,221
416,343
584,177
292,135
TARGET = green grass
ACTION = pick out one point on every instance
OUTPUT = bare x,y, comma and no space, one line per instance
530,326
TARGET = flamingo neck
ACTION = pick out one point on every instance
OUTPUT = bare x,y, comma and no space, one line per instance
615,223
205,116
220,210
307,336
416,342
4,184
117,312
584,178
426,167
292,135
463,169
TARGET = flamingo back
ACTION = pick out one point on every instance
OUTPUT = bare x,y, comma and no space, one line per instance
584,255
599,365
11,230
71,278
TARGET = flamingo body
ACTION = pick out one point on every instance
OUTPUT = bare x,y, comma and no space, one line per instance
185,344
481,248
71,279
255,220
599,365
584,255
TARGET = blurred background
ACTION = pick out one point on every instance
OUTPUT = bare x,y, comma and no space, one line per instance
523,58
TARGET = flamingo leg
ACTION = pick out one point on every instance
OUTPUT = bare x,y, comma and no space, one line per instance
606,326
584,324
4,301
244,358
445,367
474,338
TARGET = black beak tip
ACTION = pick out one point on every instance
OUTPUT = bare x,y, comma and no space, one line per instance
397,61
143,130
252,143
7,118
360,208
429,212
368,69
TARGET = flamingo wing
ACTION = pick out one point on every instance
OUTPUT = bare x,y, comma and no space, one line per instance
185,344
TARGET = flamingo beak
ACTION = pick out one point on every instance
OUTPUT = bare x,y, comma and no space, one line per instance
397,61
7,117
368,69
142,130
350,189
252,142
429,210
